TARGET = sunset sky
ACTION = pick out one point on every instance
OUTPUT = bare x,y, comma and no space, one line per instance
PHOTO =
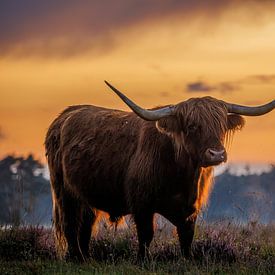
58,53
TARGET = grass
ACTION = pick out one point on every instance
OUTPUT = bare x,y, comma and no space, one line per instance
218,249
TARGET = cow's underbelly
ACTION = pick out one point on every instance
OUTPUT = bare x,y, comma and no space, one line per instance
113,204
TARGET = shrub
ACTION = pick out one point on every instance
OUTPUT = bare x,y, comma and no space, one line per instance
25,243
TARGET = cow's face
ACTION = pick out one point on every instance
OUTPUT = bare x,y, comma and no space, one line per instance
200,127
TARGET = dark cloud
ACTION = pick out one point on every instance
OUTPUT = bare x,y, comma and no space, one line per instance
199,86
66,27
202,86
260,78
227,87
230,86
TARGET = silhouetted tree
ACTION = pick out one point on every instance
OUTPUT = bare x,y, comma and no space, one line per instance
21,183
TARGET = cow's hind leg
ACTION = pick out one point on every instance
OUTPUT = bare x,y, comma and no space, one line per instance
71,215
87,221
77,220
145,232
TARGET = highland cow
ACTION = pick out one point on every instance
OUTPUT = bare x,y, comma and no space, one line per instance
139,163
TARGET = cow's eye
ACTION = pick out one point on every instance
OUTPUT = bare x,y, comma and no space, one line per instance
192,128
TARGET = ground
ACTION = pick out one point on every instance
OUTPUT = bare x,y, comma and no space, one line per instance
220,248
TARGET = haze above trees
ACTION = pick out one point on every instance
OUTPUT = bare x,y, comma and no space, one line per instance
25,195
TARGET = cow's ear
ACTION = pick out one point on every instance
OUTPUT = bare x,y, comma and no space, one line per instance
168,125
235,122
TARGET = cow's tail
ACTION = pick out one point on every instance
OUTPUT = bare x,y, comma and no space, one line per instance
57,188
52,144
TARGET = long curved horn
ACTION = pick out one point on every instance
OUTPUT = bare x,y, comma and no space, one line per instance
250,111
152,115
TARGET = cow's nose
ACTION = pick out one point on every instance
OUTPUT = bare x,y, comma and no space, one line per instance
215,156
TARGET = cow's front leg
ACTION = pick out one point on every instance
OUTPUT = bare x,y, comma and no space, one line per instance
145,232
185,230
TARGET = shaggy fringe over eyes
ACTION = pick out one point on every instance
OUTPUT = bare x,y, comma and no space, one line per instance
207,112
211,115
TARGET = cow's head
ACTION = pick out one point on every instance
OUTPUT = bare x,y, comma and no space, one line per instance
200,126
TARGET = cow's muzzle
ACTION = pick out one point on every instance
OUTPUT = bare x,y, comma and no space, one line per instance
214,157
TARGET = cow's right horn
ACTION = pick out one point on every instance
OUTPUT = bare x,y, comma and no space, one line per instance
152,115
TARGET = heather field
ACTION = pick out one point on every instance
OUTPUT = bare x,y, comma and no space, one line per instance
220,248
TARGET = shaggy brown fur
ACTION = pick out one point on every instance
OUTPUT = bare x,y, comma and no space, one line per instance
119,163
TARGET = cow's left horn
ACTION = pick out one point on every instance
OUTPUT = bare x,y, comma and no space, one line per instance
143,113
250,111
